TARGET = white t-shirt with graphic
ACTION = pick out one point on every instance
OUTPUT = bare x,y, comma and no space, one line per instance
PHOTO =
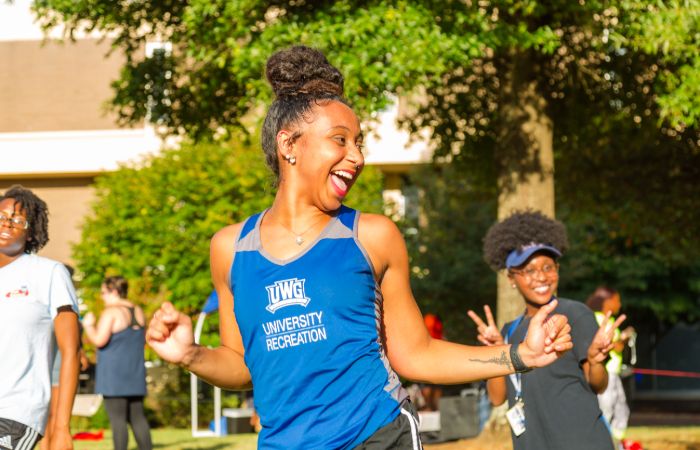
32,288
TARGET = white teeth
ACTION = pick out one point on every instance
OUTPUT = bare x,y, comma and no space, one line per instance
541,289
343,174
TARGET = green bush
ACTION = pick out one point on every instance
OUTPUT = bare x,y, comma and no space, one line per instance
152,222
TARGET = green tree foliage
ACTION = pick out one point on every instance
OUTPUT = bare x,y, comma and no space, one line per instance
612,84
152,221
466,55
449,275
660,285
656,287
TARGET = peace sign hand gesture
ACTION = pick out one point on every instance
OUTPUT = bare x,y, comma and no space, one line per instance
488,332
603,340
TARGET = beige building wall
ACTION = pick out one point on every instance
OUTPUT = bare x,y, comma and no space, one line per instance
53,86
69,201
53,122
49,86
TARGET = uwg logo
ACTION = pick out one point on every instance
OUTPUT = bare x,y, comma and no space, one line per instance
286,293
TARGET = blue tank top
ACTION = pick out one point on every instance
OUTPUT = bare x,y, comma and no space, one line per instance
120,370
311,331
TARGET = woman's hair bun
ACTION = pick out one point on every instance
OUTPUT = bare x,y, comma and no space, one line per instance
302,70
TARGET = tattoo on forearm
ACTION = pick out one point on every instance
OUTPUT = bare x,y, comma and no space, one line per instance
503,360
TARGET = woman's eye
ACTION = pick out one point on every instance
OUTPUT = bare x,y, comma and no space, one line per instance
340,140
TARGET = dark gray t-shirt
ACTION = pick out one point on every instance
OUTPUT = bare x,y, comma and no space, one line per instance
561,410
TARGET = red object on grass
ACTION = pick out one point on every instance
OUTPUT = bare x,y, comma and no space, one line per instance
88,436
629,444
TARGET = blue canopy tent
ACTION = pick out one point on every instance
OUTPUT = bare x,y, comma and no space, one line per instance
210,306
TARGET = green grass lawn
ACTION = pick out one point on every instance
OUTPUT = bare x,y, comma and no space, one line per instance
179,439
666,437
653,438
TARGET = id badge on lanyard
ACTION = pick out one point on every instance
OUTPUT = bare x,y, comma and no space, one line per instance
516,414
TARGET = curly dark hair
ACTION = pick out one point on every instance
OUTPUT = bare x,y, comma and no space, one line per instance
518,230
597,298
37,216
301,77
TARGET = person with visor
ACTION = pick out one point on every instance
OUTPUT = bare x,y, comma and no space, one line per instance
554,407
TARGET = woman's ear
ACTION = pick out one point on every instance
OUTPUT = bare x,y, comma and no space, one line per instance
285,143
511,279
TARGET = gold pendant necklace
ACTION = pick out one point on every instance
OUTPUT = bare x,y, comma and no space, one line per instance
299,237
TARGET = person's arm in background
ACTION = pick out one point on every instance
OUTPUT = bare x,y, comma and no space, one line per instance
68,339
624,338
100,333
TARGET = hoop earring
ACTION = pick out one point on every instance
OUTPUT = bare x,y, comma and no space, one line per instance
291,159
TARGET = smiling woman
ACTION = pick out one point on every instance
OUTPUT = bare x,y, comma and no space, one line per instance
555,407
324,321
37,300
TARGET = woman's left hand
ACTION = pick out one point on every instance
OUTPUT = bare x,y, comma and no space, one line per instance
603,340
548,337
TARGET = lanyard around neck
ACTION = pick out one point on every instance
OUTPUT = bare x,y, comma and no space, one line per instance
515,378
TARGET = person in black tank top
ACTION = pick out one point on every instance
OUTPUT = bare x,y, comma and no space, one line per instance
312,140
120,374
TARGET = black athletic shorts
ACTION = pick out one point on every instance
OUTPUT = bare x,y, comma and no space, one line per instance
401,434
17,436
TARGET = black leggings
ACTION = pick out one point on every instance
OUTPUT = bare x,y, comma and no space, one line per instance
128,409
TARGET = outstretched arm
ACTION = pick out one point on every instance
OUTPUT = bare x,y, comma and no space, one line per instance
170,332
411,350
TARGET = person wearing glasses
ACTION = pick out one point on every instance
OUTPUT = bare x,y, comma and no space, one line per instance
37,301
553,407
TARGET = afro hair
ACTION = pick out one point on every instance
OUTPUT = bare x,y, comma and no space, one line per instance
518,230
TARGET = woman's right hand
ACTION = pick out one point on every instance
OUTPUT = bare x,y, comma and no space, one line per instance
488,332
170,334
89,320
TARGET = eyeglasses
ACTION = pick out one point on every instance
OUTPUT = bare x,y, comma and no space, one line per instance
14,221
547,270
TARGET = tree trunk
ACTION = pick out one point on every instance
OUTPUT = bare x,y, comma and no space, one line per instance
526,172
525,156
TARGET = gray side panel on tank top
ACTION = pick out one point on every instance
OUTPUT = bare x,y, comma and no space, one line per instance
393,385
336,230
251,241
